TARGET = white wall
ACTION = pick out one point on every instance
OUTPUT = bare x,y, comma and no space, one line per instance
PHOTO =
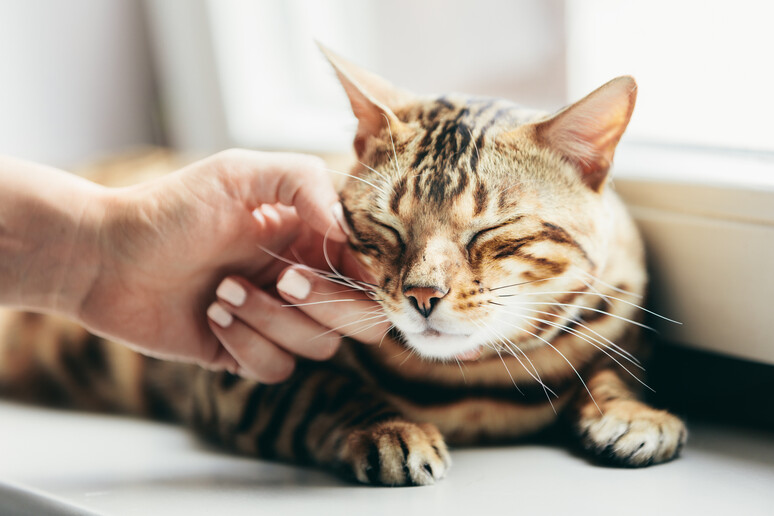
75,79
703,67
279,92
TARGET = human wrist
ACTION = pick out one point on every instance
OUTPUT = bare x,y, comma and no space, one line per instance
83,259
49,227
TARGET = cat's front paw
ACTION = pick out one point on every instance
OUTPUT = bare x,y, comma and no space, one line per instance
632,434
396,453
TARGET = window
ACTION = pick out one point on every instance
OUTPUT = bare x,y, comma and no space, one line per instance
701,67
280,93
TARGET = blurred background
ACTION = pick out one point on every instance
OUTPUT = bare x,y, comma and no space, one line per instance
86,79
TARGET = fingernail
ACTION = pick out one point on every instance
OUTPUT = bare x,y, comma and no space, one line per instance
259,216
269,212
294,284
338,213
231,291
219,315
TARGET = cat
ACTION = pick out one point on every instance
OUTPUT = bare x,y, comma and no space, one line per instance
509,268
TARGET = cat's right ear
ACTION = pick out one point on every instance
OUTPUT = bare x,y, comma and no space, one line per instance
372,98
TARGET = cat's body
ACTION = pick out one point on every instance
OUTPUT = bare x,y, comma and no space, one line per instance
511,272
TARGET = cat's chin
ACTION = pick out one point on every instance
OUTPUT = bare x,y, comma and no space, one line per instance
443,346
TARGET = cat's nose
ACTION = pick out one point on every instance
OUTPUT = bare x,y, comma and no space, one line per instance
424,299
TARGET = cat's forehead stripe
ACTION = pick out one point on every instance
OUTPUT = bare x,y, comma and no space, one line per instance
455,132
481,198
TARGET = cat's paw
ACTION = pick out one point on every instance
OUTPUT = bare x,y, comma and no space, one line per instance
396,453
632,434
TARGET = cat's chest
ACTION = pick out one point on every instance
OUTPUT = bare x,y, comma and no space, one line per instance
469,402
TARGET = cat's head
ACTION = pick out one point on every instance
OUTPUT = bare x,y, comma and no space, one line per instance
459,203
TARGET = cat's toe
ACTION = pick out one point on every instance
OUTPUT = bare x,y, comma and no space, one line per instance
396,453
632,434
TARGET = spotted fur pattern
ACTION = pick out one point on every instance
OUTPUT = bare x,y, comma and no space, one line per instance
532,265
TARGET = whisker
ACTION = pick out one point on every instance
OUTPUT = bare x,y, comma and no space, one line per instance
386,332
583,337
397,355
503,361
374,171
522,283
505,341
295,254
372,325
327,275
508,371
359,179
608,285
610,343
606,296
327,301
511,352
394,152
328,261
475,146
334,292
595,291
361,320
459,364
332,276
599,311
411,354
566,360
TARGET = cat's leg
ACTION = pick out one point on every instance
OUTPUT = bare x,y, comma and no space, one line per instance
617,428
320,416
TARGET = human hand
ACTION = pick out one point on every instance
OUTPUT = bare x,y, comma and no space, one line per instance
165,245
318,309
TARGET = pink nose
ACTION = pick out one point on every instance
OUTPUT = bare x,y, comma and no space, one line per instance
424,299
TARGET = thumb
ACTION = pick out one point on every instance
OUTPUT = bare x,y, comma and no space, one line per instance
297,180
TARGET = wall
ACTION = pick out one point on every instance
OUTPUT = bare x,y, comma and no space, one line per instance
76,79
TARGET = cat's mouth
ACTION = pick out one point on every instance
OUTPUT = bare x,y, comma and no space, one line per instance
470,354
446,346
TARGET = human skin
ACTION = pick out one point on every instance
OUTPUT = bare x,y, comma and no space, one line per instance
141,264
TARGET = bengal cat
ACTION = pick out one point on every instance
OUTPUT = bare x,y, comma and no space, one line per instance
509,268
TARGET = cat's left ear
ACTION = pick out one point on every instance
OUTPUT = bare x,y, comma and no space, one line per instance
587,132
372,98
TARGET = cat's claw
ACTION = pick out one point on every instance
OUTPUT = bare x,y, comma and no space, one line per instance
396,453
632,434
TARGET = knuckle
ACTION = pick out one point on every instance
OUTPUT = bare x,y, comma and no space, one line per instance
233,153
260,309
314,164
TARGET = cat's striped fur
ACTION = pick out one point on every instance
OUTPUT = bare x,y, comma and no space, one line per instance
494,240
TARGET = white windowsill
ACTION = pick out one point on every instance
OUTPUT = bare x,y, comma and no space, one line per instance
63,463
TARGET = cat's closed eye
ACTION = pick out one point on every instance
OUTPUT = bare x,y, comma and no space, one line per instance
387,233
480,233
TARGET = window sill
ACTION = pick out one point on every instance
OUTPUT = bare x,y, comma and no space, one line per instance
708,223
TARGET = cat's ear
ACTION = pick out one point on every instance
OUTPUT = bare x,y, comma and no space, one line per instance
372,98
587,132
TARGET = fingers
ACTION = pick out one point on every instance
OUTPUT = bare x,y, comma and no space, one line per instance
344,309
262,335
256,357
292,179
290,329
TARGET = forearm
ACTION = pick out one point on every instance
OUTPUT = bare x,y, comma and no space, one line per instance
49,234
